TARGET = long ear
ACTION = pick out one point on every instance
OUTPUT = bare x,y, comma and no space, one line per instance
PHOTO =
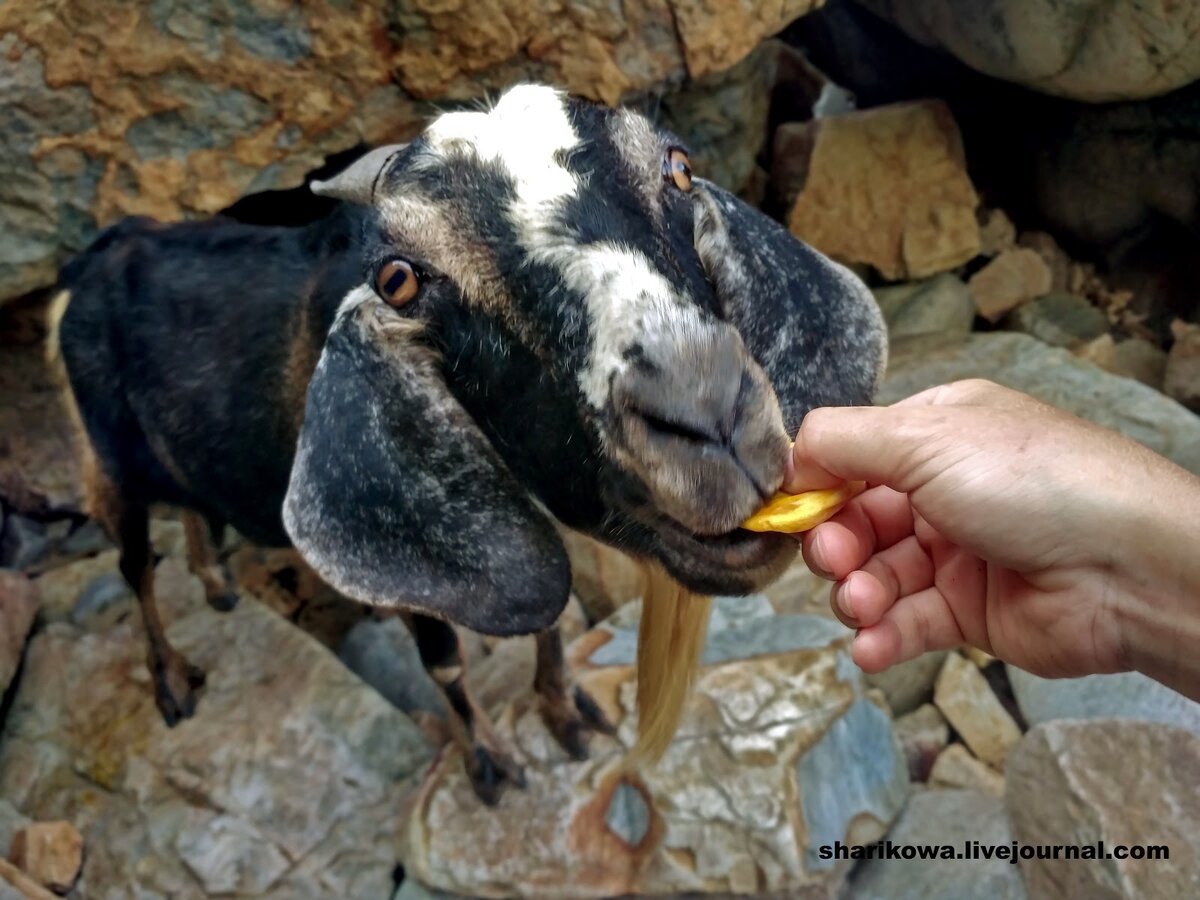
812,325
396,497
356,183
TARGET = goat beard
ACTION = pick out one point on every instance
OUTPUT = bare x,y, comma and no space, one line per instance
670,639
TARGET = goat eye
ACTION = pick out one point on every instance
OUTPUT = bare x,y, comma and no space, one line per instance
396,282
677,168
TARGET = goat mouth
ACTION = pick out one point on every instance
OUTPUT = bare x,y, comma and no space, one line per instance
736,551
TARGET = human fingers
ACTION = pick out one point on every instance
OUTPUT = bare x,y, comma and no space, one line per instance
871,522
916,624
865,595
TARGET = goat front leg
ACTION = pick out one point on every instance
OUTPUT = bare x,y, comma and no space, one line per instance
176,681
202,561
569,712
489,762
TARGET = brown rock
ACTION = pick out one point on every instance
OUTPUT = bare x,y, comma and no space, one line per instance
955,767
24,886
18,608
718,33
996,233
966,700
1101,351
922,733
1009,280
981,658
888,186
1120,782
1140,359
1182,377
49,852
780,750
1045,246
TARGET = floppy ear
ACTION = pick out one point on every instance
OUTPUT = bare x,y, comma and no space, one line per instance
396,497
357,182
811,323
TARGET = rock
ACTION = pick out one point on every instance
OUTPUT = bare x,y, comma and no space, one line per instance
101,604
1182,377
955,767
909,684
1053,376
940,819
1094,50
383,653
16,885
86,540
966,700
1100,352
284,784
943,304
39,463
1045,246
1012,278
51,853
996,233
183,111
18,609
1140,359
63,586
981,658
1123,695
780,752
888,186
922,734
1058,319
1129,783
799,590
24,543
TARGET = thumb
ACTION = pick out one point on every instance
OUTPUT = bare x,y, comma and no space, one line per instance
879,445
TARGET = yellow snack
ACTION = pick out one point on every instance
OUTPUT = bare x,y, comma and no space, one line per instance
793,513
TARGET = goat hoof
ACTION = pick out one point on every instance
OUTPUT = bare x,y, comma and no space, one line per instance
570,723
593,716
223,602
176,690
491,772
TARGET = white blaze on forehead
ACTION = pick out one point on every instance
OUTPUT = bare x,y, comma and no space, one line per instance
528,134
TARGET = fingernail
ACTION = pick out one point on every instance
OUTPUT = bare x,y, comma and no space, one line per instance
817,564
841,596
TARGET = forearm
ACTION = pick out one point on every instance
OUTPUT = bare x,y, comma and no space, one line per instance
1159,606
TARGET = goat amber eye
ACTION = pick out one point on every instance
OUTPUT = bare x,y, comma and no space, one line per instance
396,282
678,169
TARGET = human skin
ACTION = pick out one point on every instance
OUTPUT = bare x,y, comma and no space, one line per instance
995,520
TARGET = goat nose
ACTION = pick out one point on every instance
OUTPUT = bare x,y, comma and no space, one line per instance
701,427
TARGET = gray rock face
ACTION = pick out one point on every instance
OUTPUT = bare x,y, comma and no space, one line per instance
1123,783
1058,319
1094,50
909,684
18,607
945,817
23,544
940,305
1052,375
780,751
1125,695
286,783
384,655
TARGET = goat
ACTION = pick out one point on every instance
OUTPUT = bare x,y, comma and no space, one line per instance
528,313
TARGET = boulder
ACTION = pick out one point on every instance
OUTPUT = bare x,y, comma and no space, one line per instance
1120,783
955,767
943,819
1052,375
909,684
1012,278
285,783
1140,359
383,653
997,233
1093,50
888,187
1181,380
940,305
968,703
18,608
115,109
51,853
780,752
1124,695
923,734
24,542
1058,319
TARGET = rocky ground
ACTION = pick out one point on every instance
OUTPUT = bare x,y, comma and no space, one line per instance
318,763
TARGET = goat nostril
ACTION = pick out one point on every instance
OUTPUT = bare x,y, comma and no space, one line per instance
684,431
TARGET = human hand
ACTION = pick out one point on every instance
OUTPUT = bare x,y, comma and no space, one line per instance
998,521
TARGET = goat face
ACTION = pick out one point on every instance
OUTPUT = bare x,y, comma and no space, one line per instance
554,305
